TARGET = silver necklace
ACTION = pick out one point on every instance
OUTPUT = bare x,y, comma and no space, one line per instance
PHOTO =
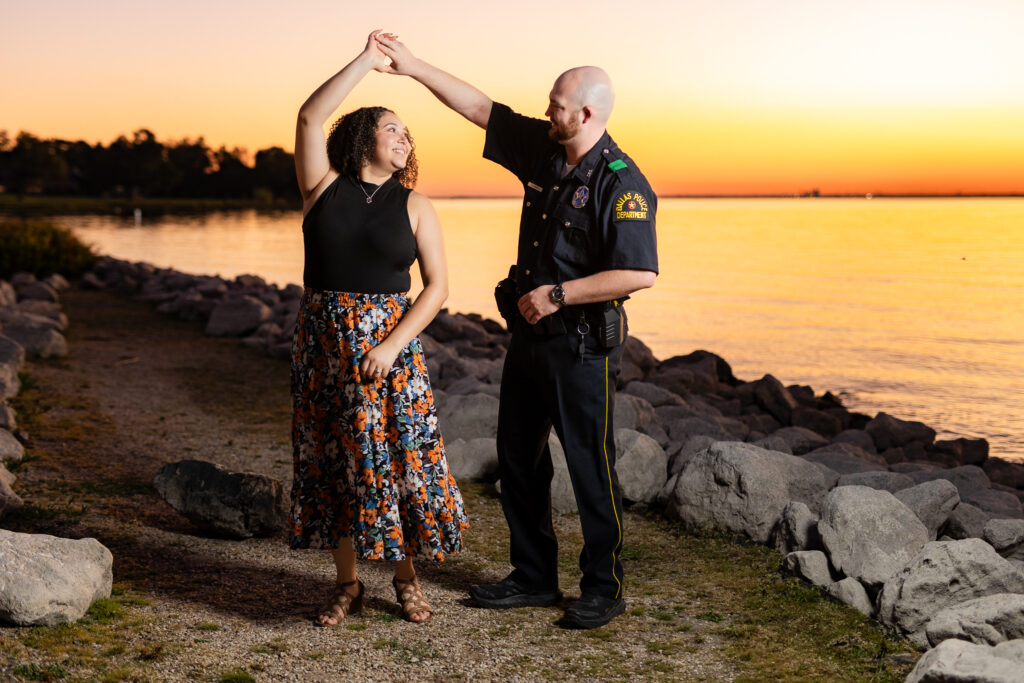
369,197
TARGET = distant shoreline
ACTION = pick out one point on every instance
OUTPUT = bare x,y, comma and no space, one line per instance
45,204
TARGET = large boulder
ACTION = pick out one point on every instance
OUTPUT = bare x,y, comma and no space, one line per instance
1006,536
1005,472
744,488
8,418
10,448
46,310
943,574
810,565
797,529
881,480
817,421
38,340
684,429
6,476
869,534
957,661
473,459
858,438
641,467
966,521
236,504
237,316
801,440
8,297
640,464
888,432
990,620
12,357
652,393
964,451
932,502
46,581
468,416
37,290
9,500
967,479
563,499
845,458
852,592
632,412
996,503
774,398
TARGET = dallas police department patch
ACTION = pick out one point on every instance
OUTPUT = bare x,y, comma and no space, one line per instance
631,206
580,197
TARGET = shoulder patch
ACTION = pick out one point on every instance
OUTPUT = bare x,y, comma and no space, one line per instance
617,165
631,206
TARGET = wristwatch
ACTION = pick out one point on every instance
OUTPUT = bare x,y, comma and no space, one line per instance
558,295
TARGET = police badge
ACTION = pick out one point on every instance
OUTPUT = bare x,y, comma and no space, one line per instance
579,199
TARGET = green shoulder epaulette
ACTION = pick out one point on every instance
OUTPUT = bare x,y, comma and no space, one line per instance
617,165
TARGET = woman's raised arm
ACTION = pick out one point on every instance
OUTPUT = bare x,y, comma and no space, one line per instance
311,164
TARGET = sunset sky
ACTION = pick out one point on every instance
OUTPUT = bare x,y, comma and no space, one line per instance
714,96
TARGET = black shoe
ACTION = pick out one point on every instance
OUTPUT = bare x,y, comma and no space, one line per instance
509,593
591,611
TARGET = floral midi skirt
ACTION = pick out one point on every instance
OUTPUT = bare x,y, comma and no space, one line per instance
369,462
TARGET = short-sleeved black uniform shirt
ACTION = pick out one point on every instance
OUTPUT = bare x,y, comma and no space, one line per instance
598,217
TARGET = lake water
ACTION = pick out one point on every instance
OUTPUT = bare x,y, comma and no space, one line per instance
911,306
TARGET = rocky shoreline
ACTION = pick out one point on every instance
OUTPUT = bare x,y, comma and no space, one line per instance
918,533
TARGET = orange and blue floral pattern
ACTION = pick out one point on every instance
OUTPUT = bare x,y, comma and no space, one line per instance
369,461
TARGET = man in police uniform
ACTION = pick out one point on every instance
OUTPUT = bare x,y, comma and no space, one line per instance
586,241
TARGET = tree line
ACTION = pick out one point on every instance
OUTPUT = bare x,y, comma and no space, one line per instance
142,166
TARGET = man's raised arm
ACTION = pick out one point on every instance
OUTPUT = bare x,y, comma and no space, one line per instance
454,93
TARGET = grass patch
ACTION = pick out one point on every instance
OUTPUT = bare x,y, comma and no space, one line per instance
115,675
407,653
41,248
711,616
272,647
236,676
357,626
33,672
207,626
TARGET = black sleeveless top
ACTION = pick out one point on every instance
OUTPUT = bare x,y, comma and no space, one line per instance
355,246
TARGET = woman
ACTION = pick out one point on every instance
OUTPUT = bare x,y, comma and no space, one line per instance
371,479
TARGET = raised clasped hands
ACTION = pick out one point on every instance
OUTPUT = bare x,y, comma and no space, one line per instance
373,52
536,304
400,56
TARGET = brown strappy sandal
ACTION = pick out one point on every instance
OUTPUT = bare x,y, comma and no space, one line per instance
411,599
342,604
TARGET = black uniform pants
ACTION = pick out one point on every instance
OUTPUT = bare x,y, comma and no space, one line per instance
544,384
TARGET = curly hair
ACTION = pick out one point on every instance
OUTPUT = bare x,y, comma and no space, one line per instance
352,141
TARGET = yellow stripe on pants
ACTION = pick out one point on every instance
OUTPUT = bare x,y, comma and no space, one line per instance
608,467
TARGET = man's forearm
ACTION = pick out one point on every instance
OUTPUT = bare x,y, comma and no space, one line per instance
606,285
453,92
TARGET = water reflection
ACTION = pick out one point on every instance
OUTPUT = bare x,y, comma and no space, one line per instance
915,307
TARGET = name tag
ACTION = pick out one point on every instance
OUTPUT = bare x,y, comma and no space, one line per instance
535,187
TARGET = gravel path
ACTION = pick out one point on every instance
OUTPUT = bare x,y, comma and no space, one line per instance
139,390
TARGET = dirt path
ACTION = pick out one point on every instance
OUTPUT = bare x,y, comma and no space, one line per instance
139,390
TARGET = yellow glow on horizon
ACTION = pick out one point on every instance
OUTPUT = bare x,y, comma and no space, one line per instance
729,96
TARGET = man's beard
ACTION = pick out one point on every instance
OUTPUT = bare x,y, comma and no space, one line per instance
564,133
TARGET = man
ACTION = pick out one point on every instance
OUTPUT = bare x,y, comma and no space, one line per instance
586,241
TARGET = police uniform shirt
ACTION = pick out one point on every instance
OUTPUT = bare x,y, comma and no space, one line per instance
598,217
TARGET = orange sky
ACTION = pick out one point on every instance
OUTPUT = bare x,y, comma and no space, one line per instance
714,96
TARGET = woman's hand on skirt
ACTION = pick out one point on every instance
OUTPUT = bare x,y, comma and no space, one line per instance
377,362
